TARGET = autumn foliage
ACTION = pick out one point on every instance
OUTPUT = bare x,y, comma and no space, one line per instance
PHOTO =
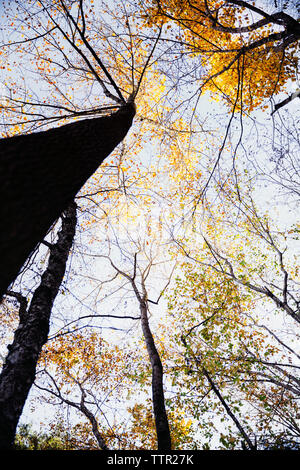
244,59
180,302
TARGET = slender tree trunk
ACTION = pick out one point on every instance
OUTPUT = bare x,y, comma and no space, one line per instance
41,173
18,372
95,428
158,399
251,446
222,400
164,442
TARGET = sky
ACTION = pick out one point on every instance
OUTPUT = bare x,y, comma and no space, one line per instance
70,308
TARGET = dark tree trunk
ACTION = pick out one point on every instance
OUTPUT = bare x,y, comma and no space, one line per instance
18,372
41,173
160,415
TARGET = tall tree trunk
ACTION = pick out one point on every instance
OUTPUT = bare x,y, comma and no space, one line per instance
164,442
18,372
158,399
41,173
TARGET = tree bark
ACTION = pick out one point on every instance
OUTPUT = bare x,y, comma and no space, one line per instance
41,173
161,420
164,442
95,428
18,372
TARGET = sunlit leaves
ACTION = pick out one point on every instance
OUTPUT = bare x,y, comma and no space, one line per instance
244,58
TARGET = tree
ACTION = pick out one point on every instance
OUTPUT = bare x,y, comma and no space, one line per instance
18,372
44,192
32,170
105,379
83,146
158,398
27,439
245,54
221,358
87,378
212,368
236,259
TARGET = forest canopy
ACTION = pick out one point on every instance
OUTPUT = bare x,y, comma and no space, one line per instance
150,201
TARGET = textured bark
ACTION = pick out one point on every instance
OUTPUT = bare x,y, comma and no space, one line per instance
18,372
41,173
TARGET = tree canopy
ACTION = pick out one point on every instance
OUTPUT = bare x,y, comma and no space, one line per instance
150,229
